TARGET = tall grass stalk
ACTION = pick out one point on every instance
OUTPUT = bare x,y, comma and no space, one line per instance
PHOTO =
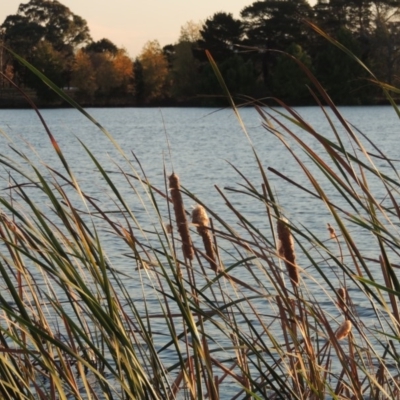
242,312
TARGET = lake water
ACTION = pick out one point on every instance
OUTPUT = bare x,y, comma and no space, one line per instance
203,143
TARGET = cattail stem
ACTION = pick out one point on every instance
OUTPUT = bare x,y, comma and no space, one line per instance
286,251
200,218
180,216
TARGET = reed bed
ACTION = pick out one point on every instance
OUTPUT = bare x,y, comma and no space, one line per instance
209,309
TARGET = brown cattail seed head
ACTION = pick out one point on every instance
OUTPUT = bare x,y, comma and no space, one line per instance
343,330
180,216
142,265
12,226
168,228
286,251
342,298
200,218
331,230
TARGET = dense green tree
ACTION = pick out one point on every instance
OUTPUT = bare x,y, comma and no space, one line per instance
385,44
359,16
289,81
219,35
45,21
21,34
385,10
354,15
183,66
51,63
240,78
184,72
328,17
169,54
139,82
275,23
374,29
343,78
62,28
102,46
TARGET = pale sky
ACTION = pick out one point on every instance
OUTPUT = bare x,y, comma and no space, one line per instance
131,23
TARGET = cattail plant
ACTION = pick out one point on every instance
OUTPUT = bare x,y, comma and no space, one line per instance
286,251
180,215
333,236
331,230
168,228
343,330
77,322
200,218
342,299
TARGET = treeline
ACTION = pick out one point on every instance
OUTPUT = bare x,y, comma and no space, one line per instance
251,53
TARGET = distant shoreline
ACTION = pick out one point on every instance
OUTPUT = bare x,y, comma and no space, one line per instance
11,99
